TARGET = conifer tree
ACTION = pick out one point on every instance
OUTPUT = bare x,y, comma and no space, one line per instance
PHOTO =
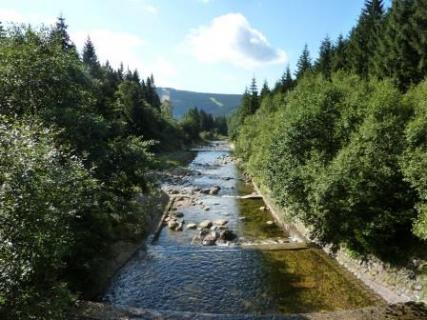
304,63
364,37
396,57
286,82
419,37
254,99
324,62
59,33
90,59
339,57
265,91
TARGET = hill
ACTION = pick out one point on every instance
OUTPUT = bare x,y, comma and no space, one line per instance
215,103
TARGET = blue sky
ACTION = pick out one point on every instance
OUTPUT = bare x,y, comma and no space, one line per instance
199,45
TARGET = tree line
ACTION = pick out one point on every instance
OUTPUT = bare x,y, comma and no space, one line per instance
342,145
78,139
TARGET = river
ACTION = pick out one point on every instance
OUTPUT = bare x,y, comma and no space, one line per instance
176,273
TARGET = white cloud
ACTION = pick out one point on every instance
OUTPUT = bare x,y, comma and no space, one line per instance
13,16
151,9
231,39
7,15
116,47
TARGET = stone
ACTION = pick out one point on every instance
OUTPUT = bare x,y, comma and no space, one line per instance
210,239
173,224
205,224
191,226
242,218
262,208
174,191
227,235
180,226
270,223
178,214
220,222
214,190
205,191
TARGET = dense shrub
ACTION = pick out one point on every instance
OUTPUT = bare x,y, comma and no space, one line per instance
334,152
44,194
414,160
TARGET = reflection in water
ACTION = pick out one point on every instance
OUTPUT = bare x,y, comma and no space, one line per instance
175,275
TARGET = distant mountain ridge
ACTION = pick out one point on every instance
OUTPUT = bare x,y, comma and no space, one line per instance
217,104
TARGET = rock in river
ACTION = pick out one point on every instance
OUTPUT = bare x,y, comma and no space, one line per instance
227,235
221,222
214,190
270,223
210,239
191,226
173,224
205,224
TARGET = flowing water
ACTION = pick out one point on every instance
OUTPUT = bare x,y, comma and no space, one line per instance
175,274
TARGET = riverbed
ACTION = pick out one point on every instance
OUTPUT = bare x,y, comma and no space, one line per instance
177,272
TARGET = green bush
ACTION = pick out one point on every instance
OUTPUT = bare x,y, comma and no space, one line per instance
331,152
414,160
44,193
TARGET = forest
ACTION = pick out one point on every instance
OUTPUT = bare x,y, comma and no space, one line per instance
342,143
77,142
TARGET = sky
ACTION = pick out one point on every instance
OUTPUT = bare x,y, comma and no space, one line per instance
199,45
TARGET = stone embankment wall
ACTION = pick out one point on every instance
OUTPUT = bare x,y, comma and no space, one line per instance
393,284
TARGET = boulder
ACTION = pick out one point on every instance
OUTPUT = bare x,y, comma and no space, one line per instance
173,224
214,190
220,222
191,226
178,214
227,235
205,224
209,239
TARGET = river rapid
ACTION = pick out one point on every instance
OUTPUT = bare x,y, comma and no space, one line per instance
178,273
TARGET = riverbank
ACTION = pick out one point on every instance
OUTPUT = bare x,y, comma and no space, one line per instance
393,284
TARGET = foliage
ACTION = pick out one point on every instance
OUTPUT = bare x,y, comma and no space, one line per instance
414,159
44,192
333,152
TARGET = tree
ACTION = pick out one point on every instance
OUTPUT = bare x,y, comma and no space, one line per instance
60,33
418,22
364,38
396,56
265,91
304,63
324,62
286,82
90,59
254,99
339,58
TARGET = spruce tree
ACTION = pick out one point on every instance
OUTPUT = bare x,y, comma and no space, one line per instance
364,37
265,91
418,22
339,57
396,57
90,59
304,63
59,33
324,62
254,99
